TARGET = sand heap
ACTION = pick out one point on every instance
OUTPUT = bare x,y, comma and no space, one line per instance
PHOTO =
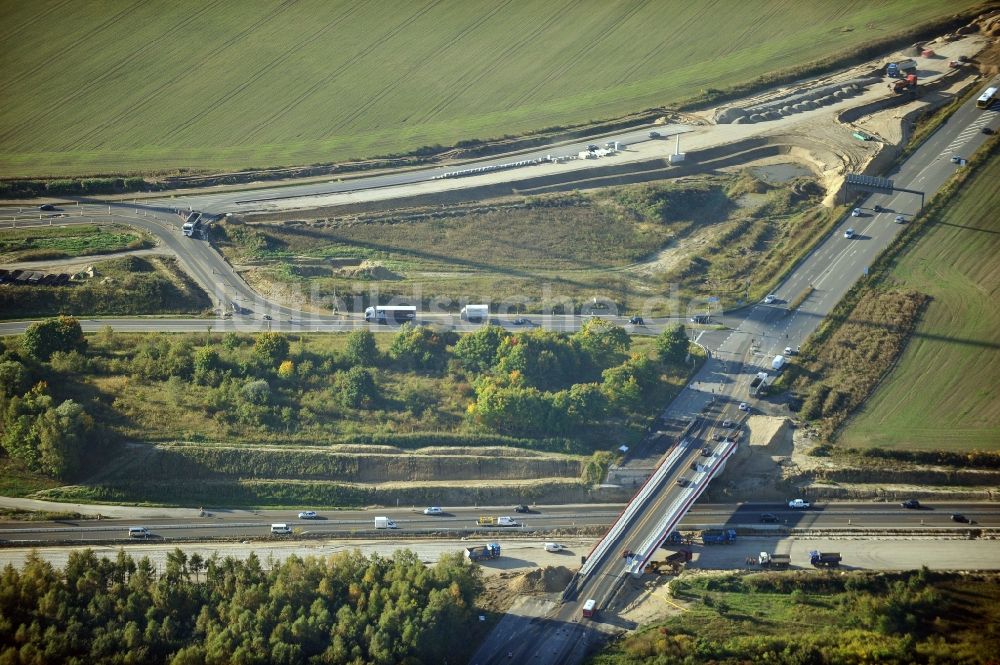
542,580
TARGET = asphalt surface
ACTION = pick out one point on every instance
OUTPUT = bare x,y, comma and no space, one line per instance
242,524
754,337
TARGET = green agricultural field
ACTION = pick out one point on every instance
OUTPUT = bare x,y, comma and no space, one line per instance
943,393
117,87
60,242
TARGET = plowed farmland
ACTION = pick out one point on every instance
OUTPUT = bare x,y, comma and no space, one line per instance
147,86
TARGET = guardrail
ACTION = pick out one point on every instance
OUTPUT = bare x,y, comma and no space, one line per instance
678,509
638,502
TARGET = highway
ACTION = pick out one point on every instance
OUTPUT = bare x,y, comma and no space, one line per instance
240,524
753,336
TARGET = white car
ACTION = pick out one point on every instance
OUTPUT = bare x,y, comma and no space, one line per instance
798,503
744,406
849,233
856,212
900,219
553,547
955,159
770,298
789,351
307,515
433,510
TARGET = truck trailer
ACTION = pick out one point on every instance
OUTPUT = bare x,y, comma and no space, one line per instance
828,559
488,551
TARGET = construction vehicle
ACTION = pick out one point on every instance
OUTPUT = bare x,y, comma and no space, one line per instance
901,68
488,551
828,559
775,561
726,537
759,384
904,85
671,565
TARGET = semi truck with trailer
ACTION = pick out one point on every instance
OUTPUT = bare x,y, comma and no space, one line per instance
390,314
726,537
482,552
475,313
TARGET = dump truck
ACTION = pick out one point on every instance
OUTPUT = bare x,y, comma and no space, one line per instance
759,384
726,537
776,561
829,559
901,68
496,521
488,551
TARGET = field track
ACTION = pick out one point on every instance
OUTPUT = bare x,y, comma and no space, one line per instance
139,85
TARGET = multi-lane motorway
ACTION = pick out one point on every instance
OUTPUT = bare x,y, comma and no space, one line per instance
240,525
752,339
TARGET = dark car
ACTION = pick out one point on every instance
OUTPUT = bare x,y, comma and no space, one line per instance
592,147
768,518
877,208
958,517
910,503
683,482
988,131
522,509
267,317
654,135
47,207
636,321
706,451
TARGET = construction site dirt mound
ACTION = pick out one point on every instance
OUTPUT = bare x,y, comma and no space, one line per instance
542,580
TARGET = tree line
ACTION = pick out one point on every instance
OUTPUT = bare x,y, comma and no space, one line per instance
536,384
346,609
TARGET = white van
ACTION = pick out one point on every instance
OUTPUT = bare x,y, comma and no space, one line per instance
280,529
384,523
138,532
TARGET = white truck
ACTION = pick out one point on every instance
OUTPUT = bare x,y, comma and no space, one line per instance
758,386
475,313
778,363
384,523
